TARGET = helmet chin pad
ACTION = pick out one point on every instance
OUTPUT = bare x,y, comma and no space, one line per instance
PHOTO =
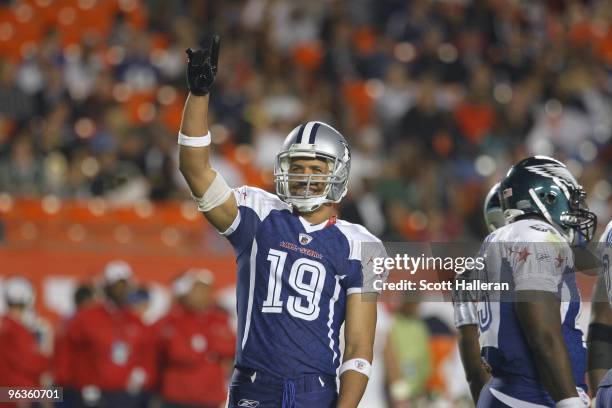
306,205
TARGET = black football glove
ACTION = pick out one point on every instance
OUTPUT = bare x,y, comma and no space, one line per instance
202,67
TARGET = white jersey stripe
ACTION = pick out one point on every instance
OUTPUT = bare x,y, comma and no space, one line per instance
330,320
252,268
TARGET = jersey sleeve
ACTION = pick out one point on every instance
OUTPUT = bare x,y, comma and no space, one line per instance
538,260
464,301
365,268
254,205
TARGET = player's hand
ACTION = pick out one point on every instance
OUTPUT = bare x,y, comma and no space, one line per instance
202,67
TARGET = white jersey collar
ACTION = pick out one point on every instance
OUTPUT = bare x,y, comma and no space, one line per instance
313,227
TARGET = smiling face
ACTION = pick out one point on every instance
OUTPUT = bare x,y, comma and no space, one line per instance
318,170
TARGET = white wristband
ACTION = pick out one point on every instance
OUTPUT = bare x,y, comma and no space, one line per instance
360,365
197,141
574,402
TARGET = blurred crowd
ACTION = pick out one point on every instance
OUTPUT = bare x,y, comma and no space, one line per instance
109,352
437,98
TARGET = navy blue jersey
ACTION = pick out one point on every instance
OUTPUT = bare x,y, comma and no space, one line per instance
292,286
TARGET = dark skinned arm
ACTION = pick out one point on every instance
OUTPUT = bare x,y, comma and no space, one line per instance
469,350
538,314
598,348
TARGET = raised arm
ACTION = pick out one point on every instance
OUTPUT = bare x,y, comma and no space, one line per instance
213,196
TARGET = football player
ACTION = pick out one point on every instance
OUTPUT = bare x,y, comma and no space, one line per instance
465,307
529,336
300,273
600,329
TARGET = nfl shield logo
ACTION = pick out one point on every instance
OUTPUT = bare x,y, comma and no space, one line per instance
305,239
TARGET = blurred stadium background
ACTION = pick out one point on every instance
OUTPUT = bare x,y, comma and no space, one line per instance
437,99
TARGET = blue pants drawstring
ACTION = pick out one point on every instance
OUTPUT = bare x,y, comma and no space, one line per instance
288,394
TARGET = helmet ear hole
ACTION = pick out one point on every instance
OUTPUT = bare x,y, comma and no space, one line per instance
550,198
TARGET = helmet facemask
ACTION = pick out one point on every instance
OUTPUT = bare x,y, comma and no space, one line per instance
579,218
308,192
572,217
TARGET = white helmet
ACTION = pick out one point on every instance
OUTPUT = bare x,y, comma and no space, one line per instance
313,140
183,284
19,291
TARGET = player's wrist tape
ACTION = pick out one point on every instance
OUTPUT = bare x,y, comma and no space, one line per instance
574,402
360,365
218,192
600,346
465,313
194,141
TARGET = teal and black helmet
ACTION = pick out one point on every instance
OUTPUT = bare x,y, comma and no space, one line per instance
544,186
493,213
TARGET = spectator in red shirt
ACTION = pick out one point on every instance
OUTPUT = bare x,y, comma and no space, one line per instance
139,301
197,344
21,360
66,368
108,338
